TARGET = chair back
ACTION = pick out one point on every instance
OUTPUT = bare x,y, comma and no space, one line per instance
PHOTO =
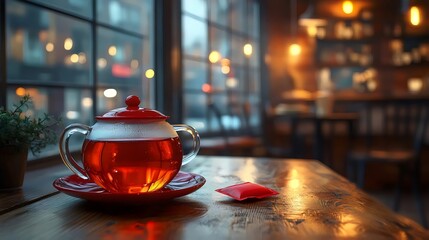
420,131
218,116
236,112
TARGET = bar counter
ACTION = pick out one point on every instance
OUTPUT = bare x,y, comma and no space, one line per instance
313,203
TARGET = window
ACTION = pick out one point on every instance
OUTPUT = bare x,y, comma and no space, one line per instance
220,41
76,62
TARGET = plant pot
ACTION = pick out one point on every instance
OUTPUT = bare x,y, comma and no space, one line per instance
13,162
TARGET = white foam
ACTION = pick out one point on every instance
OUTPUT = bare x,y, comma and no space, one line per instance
112,129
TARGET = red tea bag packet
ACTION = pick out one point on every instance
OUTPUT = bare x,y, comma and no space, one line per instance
247,190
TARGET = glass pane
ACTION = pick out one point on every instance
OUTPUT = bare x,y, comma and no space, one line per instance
45,47
195,7
149,74
218,78
253,20
132,15
78,7
195,110
238,15
233,73
119,62
219,11
220,101
111,98
194,34
119,58
236,79
254,57
254,114
72,105
254,81
219,41
237,55
194,74
230,118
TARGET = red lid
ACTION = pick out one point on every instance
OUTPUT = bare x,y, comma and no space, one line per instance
132,111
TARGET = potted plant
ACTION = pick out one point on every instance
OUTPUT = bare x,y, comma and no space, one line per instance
18,134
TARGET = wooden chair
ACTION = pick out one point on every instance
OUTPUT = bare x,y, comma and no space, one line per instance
407,160
231,141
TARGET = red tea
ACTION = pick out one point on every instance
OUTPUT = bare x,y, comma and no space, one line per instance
132,166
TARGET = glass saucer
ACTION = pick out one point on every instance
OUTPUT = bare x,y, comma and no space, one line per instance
183,183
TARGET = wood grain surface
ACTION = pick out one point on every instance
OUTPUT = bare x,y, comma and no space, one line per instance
314,203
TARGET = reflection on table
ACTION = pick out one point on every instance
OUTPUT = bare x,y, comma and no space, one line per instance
314,202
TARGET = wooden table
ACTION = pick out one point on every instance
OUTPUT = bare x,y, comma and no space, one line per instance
314,203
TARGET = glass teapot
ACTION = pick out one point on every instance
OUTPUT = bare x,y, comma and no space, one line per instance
130,149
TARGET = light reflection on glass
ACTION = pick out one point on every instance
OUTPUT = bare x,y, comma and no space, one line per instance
102,63
49,47
112,51
68,44
247,49
225,62
150,73
20,91
225,66
134,64
110,93
206,88
72,115
74,58
225,69
214,56
82,58
87,102
231,82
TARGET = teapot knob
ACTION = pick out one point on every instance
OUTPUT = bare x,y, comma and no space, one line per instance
132,102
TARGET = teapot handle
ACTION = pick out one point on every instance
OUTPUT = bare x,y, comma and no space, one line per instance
68,159
195,143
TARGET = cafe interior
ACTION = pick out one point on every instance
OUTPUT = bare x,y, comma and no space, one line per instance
342,82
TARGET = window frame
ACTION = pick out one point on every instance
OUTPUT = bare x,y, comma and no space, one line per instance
166,58
94,84
231,33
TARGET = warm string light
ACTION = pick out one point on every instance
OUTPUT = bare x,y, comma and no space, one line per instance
415,17
150,73
112,50
294,48
20,91
74,58
247,49
49,47
312,31
347,7
110,93
68,44
214,56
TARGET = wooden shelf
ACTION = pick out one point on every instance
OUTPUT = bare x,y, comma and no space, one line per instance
345,40
345,65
